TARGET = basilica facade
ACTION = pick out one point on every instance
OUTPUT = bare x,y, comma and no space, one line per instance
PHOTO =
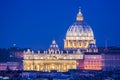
53,59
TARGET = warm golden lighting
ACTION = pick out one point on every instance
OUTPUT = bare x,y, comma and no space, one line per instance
79,16
79,35
48,65
93,62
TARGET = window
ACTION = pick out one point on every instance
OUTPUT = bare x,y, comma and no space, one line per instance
85,44
79,44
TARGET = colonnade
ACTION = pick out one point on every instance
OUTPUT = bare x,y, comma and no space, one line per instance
48,65
76,44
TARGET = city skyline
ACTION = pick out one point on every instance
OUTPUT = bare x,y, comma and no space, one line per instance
35,24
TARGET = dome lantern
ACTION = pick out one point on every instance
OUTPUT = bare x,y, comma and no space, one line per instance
79,16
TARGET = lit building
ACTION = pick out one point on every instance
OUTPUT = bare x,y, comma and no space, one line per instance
79,39
9,65
79,35
92,61
111,60
80,52
52,59
3,66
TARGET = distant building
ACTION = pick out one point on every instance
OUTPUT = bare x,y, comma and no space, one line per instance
111,59
9,65
92,61
16,52
3,66
19,54
106,60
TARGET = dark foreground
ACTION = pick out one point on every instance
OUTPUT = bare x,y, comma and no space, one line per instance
54,75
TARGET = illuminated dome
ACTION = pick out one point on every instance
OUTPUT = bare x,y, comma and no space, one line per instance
80,30
79,35
53,47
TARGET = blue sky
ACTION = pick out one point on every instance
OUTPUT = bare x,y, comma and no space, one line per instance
35,23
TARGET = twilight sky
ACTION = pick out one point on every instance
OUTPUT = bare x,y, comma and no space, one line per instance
35,23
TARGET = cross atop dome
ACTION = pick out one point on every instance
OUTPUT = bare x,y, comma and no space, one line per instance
79,16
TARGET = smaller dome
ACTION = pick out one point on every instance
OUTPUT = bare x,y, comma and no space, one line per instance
54,46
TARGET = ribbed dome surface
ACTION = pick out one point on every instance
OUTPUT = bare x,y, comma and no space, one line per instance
79,30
